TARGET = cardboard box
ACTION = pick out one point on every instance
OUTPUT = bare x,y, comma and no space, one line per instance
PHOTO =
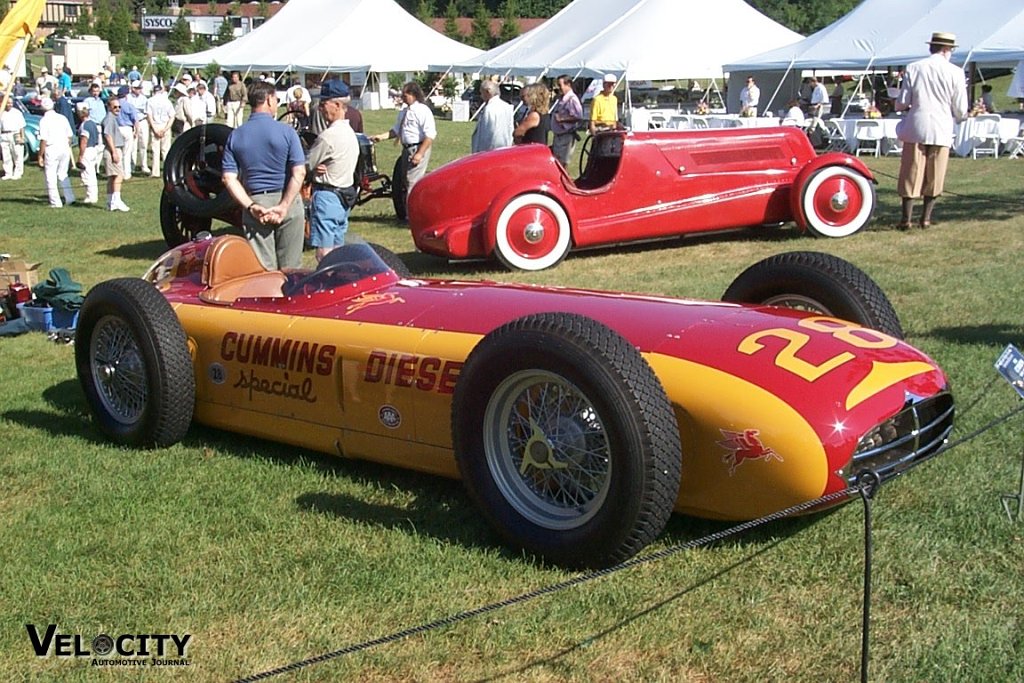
12,271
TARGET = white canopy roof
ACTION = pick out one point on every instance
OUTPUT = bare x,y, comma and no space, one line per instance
888,33
336,35
643,39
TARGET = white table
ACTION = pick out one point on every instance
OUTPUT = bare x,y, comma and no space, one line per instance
849,128
963,142
737,121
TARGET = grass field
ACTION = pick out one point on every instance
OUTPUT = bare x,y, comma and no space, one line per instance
266,555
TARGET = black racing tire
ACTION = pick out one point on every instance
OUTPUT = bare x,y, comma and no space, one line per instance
565,439
134,365
177,226
192,172
400,190
817,282
837,201
393,261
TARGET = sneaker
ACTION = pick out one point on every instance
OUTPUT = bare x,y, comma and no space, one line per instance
121,206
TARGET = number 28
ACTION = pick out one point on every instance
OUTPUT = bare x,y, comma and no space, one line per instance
786,358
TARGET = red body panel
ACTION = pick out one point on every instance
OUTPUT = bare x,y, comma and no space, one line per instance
661,184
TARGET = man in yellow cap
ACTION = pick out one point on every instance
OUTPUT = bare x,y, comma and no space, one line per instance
933,95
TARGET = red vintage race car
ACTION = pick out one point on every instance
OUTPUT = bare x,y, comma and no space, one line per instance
578,420
522,206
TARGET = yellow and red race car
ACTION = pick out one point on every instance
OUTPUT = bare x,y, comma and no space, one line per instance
578,420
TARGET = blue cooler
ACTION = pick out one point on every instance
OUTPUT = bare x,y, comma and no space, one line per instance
38,318
63,320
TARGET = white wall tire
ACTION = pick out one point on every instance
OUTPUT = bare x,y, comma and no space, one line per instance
532,233
837,202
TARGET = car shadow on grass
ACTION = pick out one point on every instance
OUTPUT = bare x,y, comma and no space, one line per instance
436,266
439,506
987,335
545,661
147,251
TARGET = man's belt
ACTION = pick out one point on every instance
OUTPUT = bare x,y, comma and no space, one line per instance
412,144
332,188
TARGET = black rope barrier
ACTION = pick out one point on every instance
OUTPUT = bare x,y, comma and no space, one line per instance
868,483
556,587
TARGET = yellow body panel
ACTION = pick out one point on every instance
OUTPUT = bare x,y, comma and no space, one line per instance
336,386
792,468
383,393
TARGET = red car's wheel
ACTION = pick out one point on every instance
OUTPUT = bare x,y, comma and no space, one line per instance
837,202
532,233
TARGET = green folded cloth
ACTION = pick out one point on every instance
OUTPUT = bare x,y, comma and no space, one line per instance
60,291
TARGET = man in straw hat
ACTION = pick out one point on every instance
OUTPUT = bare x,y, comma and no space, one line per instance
934,94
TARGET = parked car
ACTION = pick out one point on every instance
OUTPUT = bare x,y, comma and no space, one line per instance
578,420
521,206
31,128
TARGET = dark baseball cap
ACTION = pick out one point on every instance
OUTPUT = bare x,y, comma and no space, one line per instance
333,88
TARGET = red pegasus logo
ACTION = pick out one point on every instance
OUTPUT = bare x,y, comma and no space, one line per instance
743,446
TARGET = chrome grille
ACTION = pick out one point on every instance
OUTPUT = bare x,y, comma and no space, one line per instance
913,435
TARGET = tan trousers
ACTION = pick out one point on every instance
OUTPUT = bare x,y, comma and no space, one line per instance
922,170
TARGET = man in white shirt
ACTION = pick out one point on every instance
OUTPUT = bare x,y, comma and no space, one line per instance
934,95
493,122
140,102
12,141
160,117
749,98
209,108
416,130
46,81
55,137
819,96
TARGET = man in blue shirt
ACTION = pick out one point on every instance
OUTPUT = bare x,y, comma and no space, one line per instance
263,169
128,122
97,107
90,152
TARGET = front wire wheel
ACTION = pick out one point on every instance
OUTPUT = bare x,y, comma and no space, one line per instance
547,449
566,440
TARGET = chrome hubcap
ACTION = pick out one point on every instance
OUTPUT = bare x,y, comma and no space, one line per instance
840,200
533,232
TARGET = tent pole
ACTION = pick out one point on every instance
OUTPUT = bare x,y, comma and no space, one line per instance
768,107
860,85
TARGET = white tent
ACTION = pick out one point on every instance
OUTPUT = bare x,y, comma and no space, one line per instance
362,36
640,39
886,33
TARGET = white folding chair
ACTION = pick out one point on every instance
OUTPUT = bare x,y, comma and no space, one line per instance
1015,145
834,132
985,135
869,136
656,121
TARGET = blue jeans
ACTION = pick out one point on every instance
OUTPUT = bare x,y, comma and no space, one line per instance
328,220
